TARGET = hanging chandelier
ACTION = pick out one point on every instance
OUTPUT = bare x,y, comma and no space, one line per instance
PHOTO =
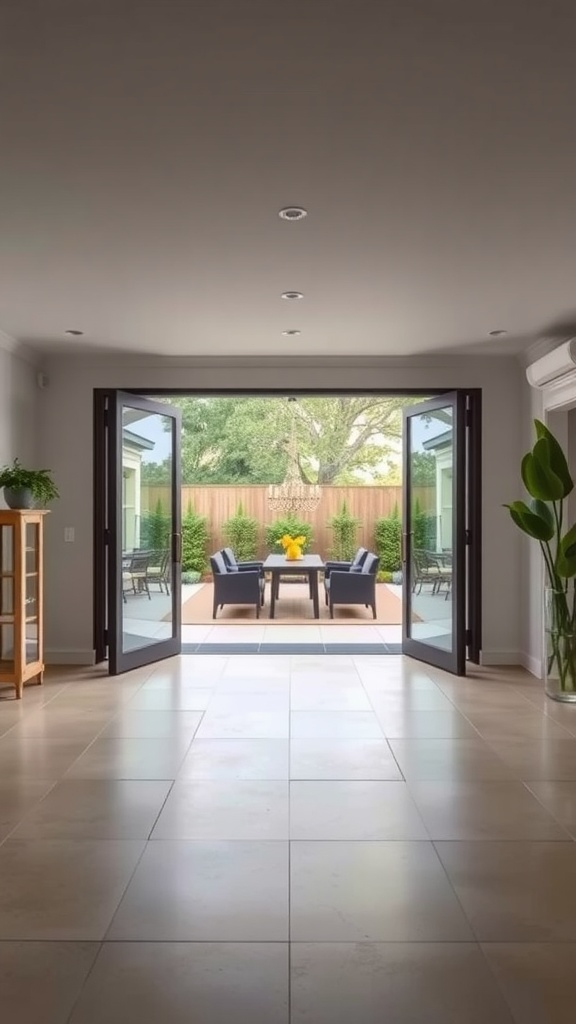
293,496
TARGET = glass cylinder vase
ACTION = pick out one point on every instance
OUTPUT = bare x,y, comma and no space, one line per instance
560,642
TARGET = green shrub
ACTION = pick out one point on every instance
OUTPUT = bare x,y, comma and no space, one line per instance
241,534
384,577
388,541
155,529
194,541
291,525
191,577
344,528
423,528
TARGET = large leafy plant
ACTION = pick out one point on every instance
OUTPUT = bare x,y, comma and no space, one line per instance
547,479
38,481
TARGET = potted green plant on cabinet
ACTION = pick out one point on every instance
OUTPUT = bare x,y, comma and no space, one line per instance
27,488
547,479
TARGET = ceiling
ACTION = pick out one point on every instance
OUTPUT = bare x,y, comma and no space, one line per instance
147,148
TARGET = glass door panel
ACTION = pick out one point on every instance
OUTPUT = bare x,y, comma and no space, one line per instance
433,532
145,543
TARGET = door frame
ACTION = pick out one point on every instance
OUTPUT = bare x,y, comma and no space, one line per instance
474,483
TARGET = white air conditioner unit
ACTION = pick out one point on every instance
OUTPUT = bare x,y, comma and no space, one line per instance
553,366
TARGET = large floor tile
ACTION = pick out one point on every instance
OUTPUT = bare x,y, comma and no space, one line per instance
448,759
407,983
408,699
516,722
249,668
328,696
117,757
352,892
186,983
52,722
31,757
533,758
62,889
40,981
360,724
537,979
353,810
236,759
559,798
175,698
398,723
96,809
225,809
154,723
515,891
483,810
342,758
18,797
202,891
244,724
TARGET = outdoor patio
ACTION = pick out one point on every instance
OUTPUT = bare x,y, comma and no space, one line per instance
293,623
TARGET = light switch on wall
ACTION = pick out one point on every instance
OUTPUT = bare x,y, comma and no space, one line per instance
69,534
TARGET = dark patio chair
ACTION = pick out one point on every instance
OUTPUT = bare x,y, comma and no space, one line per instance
158,570
354,587
354,566
134,574
246,587
234,566
429,567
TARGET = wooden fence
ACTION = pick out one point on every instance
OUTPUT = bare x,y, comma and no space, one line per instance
219,503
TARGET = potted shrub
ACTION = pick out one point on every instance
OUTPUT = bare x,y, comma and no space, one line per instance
27,488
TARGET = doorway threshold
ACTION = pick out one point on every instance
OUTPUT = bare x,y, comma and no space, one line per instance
291,648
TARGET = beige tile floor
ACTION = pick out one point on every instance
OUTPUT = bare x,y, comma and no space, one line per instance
322,839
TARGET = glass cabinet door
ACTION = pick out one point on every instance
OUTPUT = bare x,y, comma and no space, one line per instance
31,591
7,595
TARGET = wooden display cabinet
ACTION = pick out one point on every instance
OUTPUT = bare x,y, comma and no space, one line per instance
21,603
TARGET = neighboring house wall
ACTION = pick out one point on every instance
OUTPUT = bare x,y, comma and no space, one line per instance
68,401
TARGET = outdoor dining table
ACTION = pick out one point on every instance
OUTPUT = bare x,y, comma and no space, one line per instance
309,565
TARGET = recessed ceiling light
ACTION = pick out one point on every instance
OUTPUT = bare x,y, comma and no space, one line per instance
291,333
75,334
497,334
292,295
293,213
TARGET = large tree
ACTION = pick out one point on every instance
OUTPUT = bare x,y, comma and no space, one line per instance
245,440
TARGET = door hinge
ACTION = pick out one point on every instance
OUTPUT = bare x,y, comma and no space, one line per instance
467,536
106,537
468,417
468,636
106,638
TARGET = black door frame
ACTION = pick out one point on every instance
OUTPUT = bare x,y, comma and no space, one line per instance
474,489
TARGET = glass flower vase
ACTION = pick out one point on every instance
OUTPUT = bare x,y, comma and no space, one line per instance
560,642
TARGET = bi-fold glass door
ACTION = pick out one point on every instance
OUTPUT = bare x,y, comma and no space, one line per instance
441,531
138,522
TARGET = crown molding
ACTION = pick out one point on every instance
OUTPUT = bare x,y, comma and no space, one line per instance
18,349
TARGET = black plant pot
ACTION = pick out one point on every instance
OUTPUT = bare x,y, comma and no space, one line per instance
18,497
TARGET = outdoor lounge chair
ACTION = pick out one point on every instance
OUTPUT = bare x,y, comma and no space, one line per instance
354,587
158,570
234,566
354,566
246,587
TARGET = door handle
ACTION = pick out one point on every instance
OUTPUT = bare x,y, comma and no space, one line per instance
404,546
177,547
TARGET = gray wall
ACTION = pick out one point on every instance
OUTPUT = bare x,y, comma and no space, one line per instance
65,438
18,407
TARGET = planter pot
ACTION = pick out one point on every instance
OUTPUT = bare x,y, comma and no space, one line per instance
560,643
18,497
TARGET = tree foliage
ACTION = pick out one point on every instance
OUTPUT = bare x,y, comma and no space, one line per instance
194,541
290,525
244,440
388,541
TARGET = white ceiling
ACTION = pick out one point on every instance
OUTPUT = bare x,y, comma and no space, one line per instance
146,148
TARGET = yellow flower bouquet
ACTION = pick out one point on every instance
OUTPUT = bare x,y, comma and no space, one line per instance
292,547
